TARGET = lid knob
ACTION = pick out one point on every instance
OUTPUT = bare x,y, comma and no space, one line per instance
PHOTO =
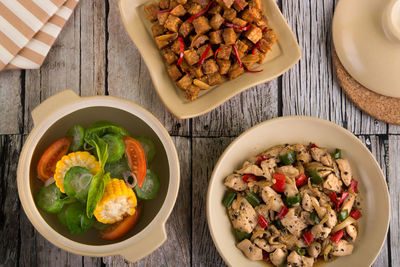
391,20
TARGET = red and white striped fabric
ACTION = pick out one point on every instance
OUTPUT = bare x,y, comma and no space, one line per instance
28,29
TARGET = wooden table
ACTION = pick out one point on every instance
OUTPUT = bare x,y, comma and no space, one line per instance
94,56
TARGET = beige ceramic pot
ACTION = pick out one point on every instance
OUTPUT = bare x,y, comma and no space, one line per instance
375,204
52,119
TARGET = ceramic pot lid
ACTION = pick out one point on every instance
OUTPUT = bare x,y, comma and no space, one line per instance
366,36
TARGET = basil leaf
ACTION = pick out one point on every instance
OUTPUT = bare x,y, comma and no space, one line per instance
96,191
101,149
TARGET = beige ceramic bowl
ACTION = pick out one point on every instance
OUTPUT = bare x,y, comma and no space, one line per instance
52,119
372,185
284,54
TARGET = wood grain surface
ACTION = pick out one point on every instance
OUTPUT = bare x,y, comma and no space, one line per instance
94,56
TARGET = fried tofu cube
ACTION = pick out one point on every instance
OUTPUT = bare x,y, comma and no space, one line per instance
241,47
173,3
216,21
251,15
254,34
210,66
194,9
225,52
215,9
178,11
227,3
184,82
157,30
239,22
202,49
192,92
186,28
257,4
173,23
229,14
162,18
164,4
216,37
243,4
235,71
224,66
170,57
191,57
151,11
196,72
175,47
182,2
229,36
214,78
174,72
202,3
201,25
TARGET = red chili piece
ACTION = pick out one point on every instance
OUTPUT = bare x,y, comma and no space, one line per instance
252,71
265,256
239,4
262,221
279,185
253,50
181,47
337,236
248,176
261,158
356,214
282,213
308,237
237,55
311,146
264,30
163,11
353,185
203,56
336,200
200,13
216,52
302,180
245,28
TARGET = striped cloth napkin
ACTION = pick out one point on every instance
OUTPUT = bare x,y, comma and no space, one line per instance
28,29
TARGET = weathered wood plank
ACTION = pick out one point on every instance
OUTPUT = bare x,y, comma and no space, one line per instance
176,250
310,88
377,146
394,129
394,189
128,76
240,113
10,147
206,152
10,102
76,60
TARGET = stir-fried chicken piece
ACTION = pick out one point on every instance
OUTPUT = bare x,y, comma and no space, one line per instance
314,249
333,183
342,248
278,257
250,168
242,215
235,182
345,171
321,155
251,251
293,223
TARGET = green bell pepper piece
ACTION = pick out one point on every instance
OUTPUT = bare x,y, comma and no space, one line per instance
343,215
315,177
253,199
314,217
293,200
337,154
241,235
289,158
228,199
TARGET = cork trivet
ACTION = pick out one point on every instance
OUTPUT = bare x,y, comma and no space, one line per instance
381,107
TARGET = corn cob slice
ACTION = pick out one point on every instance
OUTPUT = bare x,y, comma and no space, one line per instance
117,201
80,158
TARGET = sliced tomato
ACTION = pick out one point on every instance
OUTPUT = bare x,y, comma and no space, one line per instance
136,159
119,229
47,163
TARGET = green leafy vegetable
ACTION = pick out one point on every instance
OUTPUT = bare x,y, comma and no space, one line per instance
101,149
150,187
101,128
76,219
61,216
117,169
77,132
50,199
100,226
76,182
96,191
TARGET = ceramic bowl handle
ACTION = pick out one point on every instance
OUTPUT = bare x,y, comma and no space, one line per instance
391,20
53,103
145,246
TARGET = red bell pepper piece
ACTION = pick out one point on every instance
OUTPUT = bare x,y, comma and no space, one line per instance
237,55
356,214
248,176
216,53
337,236
201,12
242,28
279,185
311,146
336,200
302,180
282,213
181,48
353,185
261,158
262,221
239,4
308,237
204,55
264,30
